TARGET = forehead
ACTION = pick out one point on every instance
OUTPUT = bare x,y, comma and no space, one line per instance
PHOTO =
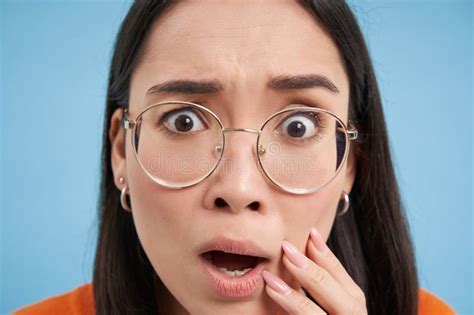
240,43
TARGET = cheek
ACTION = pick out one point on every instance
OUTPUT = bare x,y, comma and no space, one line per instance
303,212
152,204
164,220
161,215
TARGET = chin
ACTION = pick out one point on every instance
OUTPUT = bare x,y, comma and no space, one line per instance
259,306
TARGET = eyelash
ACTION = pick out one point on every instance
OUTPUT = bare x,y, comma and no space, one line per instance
315,117
171,134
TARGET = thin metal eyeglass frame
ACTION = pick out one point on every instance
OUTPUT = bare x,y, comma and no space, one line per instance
350,134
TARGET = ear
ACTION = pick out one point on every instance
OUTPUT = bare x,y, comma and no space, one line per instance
351,169
117,142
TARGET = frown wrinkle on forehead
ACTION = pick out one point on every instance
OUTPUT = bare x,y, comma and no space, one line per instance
242,48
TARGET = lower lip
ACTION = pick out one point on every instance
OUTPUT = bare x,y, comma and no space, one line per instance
235,287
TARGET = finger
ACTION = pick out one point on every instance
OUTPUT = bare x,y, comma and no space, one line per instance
318,282
294,302
320,253
300,290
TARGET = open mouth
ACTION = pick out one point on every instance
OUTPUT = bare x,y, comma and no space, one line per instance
233,265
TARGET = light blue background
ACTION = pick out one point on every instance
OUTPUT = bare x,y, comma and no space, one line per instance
54,62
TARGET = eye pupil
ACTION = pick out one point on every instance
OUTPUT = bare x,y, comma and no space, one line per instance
183,123
296,129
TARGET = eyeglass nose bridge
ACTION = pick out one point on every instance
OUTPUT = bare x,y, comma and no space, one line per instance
219,146
241,129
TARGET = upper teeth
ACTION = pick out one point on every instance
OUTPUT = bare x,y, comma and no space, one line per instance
234,273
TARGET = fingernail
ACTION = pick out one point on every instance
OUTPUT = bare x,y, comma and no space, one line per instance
276,283
295,256
318,240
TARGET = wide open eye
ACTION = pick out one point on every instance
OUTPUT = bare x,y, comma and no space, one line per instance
301,125
183,120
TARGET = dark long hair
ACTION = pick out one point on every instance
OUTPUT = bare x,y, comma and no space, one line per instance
372,240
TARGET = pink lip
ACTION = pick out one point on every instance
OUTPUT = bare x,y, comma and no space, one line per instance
228,245
235,287
229,286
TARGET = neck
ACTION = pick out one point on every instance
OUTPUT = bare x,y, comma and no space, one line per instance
167,303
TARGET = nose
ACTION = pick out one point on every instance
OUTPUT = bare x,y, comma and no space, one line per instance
237,183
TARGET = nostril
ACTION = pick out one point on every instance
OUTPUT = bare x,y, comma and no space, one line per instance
219,202
254,205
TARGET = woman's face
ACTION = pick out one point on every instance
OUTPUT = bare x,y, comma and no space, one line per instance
242,45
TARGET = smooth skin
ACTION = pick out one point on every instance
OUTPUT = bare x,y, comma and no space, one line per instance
241,44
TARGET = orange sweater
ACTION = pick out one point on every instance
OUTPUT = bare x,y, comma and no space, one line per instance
80,301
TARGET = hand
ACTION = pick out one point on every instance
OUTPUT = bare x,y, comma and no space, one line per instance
323,277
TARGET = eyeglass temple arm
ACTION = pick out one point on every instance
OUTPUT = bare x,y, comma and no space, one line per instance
352,132
127,124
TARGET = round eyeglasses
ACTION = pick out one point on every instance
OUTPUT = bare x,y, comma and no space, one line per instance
179,144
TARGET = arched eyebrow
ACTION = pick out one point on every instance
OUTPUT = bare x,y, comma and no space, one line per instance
280,82
307,81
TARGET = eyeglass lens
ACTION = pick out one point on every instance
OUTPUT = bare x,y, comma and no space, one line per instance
180,144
